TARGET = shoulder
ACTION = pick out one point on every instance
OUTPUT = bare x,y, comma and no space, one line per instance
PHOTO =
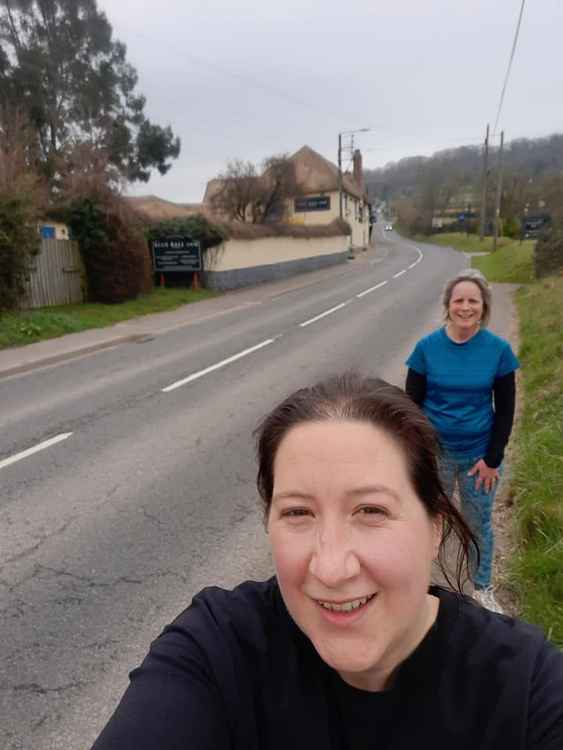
431,340
434,337
499,350
502,643
493,339
244,612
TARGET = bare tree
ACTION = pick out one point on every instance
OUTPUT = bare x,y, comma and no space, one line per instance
277,184
237,191
242,194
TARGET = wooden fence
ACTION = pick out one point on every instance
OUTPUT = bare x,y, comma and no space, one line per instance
57,276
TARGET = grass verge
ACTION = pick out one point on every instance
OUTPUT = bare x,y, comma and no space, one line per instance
512,262
467,243
536,567
43,323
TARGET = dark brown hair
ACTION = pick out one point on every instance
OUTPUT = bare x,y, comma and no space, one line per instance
352,396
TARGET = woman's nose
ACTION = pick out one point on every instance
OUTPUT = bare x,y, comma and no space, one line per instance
333,560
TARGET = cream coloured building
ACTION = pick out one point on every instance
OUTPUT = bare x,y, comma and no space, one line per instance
318,201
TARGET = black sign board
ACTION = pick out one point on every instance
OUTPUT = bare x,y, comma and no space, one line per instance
313,203
172,254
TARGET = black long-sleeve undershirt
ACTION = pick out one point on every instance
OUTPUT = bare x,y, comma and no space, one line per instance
504,395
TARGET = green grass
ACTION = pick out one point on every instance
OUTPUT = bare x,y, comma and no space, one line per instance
43,323
512,261
536,568
465,243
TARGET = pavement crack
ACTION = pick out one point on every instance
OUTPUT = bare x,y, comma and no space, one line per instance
41,539
91,582
37,689
154,519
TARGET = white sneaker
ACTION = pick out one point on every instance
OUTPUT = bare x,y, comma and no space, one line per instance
486,599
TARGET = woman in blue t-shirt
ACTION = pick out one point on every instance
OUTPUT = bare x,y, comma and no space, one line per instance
462,376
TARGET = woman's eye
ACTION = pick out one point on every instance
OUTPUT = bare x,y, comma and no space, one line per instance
373,510
295,512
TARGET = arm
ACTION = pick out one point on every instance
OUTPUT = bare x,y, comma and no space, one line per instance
545,711
415,386
504,392
172,703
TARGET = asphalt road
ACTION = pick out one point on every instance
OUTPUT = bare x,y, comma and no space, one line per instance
106,535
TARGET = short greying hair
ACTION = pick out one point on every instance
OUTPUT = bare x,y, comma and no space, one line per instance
469,274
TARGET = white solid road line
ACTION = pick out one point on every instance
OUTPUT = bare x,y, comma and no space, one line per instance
396,275
36,449
216,366
371,289
324,314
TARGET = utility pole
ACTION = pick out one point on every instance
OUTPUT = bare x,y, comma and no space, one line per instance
499,191
340,175
484,180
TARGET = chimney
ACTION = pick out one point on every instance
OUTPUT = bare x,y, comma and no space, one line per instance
358,173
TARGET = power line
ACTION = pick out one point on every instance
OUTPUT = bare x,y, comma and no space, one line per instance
515,42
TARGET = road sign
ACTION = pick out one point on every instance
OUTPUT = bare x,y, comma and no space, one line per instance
176,254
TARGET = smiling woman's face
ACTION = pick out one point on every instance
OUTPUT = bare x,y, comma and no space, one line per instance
353,547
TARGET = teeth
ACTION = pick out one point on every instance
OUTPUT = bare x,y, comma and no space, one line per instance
347,606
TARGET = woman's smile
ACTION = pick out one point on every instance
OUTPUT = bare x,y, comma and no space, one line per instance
346,612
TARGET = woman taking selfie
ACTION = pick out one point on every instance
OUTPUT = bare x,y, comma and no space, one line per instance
463,377
348,646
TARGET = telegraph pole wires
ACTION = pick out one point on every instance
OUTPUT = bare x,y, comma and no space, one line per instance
510,61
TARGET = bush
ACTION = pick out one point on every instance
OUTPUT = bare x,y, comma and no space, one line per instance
511,228
19,242
113,249
548,255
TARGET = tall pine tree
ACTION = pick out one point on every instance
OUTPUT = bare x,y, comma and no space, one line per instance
60,64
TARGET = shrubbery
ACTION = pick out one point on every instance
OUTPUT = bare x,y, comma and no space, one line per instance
548,255
19,242
113,248
511,228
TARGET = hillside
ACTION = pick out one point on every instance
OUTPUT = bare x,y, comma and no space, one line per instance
460,168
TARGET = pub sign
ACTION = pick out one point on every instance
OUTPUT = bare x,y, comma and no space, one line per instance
313,203
176,254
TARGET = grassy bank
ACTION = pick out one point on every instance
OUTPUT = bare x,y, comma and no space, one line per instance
467,243
511,262
536,568
43,323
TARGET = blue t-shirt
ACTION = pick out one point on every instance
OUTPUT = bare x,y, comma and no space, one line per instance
459,383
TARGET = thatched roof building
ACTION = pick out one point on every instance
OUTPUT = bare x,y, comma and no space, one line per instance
315,174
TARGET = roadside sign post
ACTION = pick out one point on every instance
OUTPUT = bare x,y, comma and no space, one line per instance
176,255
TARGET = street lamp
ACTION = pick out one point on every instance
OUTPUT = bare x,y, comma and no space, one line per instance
344,132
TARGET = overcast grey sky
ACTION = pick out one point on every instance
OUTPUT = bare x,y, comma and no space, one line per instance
250,78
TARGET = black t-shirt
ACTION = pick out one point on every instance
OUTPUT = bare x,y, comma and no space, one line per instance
234,672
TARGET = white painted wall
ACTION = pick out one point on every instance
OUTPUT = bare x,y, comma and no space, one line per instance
234,254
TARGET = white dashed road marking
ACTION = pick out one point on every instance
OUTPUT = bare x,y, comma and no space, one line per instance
371,289
324,314
217,365
30,451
